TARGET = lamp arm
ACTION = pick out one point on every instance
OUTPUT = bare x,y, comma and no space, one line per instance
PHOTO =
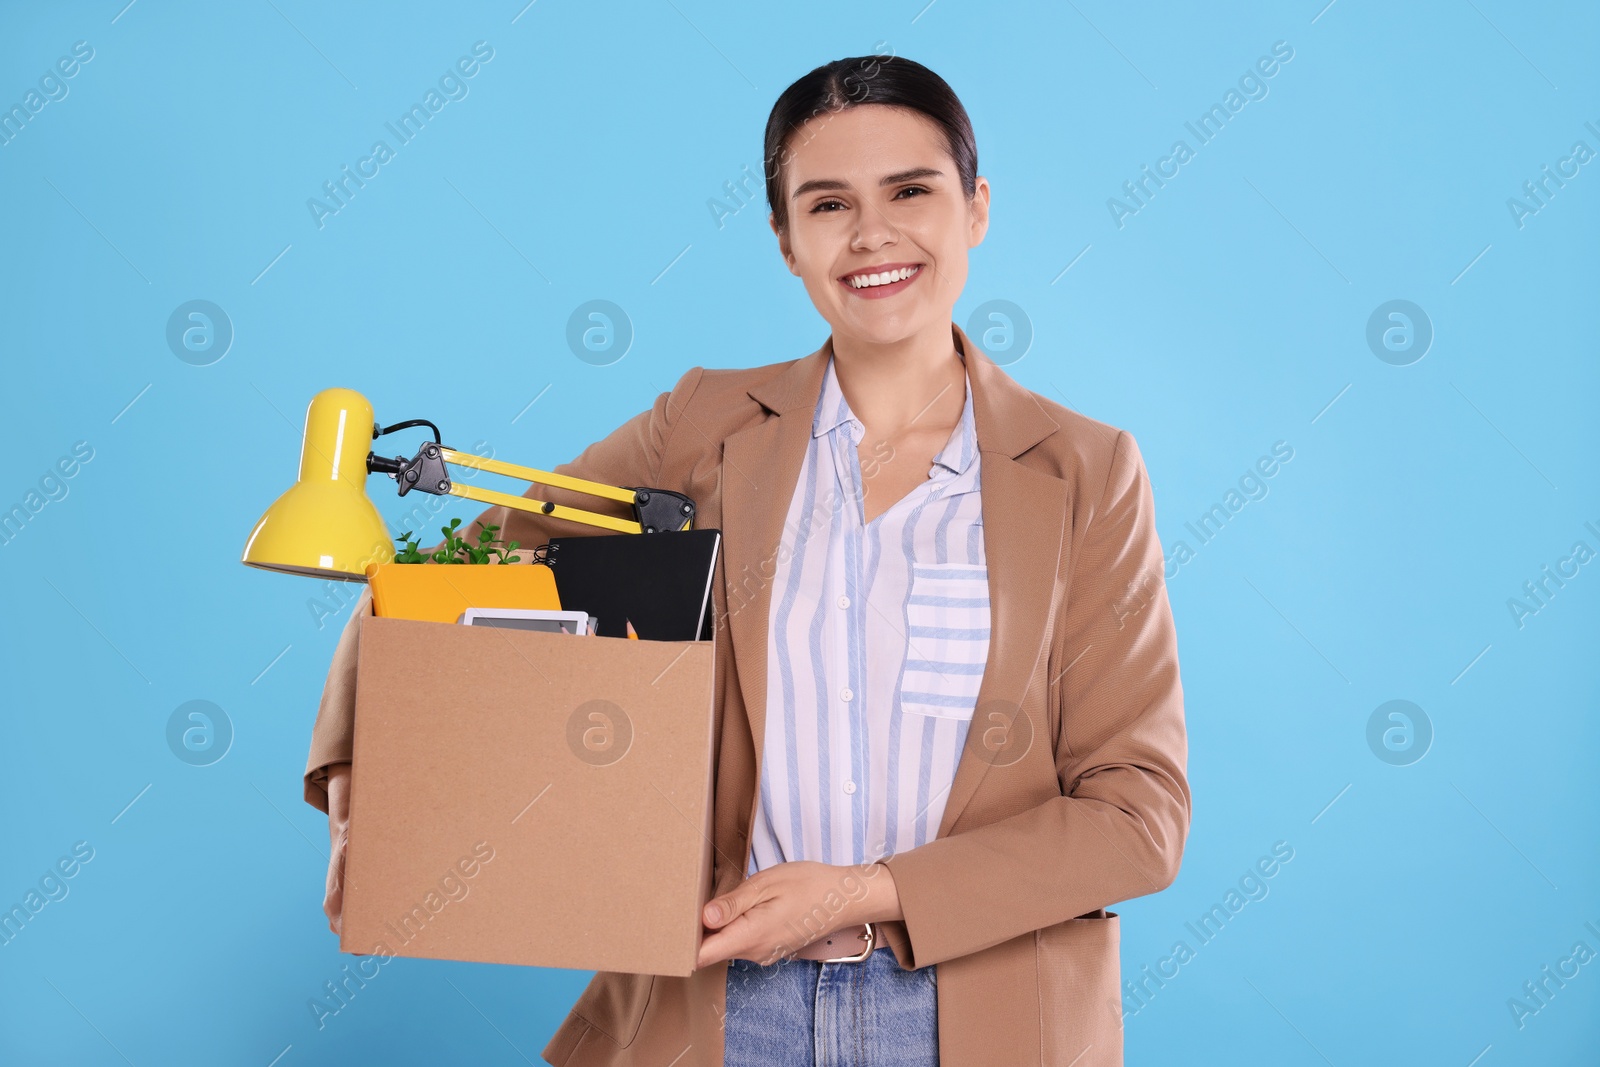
655,510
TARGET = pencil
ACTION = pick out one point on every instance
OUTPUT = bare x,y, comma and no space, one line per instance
632,633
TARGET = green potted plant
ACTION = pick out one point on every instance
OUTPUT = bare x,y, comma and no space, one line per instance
457,579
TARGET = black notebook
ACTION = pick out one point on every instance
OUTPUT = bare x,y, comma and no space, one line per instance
660,582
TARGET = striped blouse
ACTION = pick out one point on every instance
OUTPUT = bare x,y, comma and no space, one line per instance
877,640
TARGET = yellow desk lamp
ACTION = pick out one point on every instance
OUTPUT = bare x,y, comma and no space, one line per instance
325,526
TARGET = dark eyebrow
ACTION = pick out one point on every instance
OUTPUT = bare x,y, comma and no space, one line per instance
889,179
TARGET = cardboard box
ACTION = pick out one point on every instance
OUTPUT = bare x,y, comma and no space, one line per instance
531,798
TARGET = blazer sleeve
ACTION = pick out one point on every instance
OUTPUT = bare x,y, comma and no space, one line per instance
629,455
1119,827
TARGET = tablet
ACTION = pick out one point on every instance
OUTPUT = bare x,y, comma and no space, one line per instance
660,582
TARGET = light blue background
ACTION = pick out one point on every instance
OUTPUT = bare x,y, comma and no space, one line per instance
1226,315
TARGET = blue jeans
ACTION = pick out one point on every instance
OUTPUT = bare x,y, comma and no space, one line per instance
806,1013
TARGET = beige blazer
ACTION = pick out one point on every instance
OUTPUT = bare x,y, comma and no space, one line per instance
1071,794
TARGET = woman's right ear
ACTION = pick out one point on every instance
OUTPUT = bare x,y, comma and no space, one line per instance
783,243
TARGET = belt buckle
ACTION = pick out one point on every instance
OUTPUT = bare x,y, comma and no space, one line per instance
871,939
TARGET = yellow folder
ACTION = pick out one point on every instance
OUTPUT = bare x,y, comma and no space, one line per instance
440,592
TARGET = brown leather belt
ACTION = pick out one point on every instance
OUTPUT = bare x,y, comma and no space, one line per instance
851,944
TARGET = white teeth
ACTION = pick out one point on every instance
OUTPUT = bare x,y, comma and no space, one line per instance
867,281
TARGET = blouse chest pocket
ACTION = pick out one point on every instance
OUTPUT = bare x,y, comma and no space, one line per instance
947,630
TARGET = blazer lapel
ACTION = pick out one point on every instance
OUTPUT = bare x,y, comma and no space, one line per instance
1023,513
760,467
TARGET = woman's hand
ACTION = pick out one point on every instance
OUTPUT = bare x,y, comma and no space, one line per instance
779,910
338,837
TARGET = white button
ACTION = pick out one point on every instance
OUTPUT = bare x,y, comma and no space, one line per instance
844,601
847,694
849,787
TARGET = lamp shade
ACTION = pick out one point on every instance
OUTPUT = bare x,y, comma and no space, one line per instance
325,526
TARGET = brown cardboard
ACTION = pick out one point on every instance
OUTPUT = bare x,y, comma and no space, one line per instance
494,818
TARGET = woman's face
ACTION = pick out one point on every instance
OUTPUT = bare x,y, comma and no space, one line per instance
872,189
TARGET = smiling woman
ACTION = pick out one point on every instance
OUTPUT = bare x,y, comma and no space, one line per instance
941,752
